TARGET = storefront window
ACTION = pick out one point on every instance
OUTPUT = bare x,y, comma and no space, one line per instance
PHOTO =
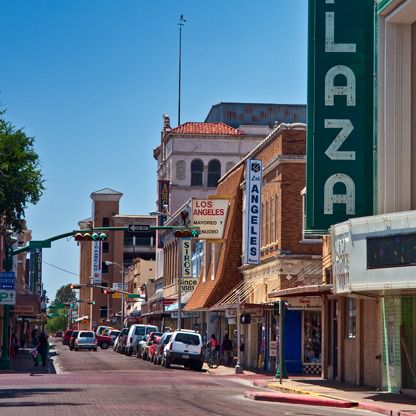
312,337
351,318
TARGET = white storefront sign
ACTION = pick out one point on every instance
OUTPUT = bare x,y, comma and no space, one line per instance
96,262
375,253
188,282
209,215
253,211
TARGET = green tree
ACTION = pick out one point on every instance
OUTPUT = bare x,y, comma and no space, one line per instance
21,180
64,295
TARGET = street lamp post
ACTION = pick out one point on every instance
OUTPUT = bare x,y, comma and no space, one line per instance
122,284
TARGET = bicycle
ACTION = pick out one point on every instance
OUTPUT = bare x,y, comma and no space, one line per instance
212,358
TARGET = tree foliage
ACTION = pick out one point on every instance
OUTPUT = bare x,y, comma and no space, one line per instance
64,295
21,180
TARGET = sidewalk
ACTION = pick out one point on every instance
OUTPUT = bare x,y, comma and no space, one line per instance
320,392
23,364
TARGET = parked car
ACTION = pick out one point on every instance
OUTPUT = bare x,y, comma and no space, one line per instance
59,334
151,340
72,339
163,340
121,341
66,337
184,348
114,333
103,341
86,340
137,331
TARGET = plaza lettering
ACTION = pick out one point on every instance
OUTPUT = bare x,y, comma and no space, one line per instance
346,126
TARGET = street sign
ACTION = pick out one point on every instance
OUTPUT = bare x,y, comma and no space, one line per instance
7,280
135,295
120,286
40,244
7,297
134,228
116,295
90,285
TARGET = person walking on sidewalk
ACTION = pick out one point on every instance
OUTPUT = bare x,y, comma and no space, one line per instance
227,348
42,348
35,336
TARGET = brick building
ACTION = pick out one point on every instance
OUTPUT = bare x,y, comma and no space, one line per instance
118,253
289,262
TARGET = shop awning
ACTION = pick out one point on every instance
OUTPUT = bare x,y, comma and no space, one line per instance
184,300
245,288
311,290
81,318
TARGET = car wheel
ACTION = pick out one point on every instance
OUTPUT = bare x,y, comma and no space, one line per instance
167,362
197,367
76,349
128,352
104,345
95,349
144,357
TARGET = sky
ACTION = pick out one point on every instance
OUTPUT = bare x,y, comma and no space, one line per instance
91,79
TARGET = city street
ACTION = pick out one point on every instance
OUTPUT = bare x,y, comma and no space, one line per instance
106,383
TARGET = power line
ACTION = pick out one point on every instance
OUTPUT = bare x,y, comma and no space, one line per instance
60,268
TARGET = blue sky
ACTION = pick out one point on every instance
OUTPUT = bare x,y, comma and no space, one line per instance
90,80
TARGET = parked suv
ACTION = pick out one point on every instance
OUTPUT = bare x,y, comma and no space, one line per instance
136,333
66,337
184,348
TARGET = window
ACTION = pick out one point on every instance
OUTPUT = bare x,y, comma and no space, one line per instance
272,217
214,172
104,267
140,330
86,335
312,337
103,311
266,225
106,222
106,247
276,214
189,339
180,170
197,172
351,318
228,166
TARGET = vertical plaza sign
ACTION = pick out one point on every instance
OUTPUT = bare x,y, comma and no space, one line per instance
340,112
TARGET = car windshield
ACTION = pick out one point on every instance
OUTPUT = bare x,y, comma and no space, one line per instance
150,329
86,335
139,330
189,339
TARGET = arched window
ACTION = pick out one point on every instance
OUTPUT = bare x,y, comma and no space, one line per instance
197,172
214,172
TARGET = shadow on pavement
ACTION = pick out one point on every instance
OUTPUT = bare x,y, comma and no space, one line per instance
22,393
37,404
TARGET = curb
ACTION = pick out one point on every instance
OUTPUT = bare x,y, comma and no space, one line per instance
298,399
382,410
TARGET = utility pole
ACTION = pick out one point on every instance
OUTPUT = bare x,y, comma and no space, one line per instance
238,367
180,24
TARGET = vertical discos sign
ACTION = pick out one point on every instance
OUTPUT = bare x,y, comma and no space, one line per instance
340,112
253,211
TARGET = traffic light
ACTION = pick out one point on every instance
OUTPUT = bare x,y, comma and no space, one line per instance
91,303
90,236
245,318
75,286
187,233
107,291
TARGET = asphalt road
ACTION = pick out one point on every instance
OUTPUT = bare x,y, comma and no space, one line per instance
106,383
